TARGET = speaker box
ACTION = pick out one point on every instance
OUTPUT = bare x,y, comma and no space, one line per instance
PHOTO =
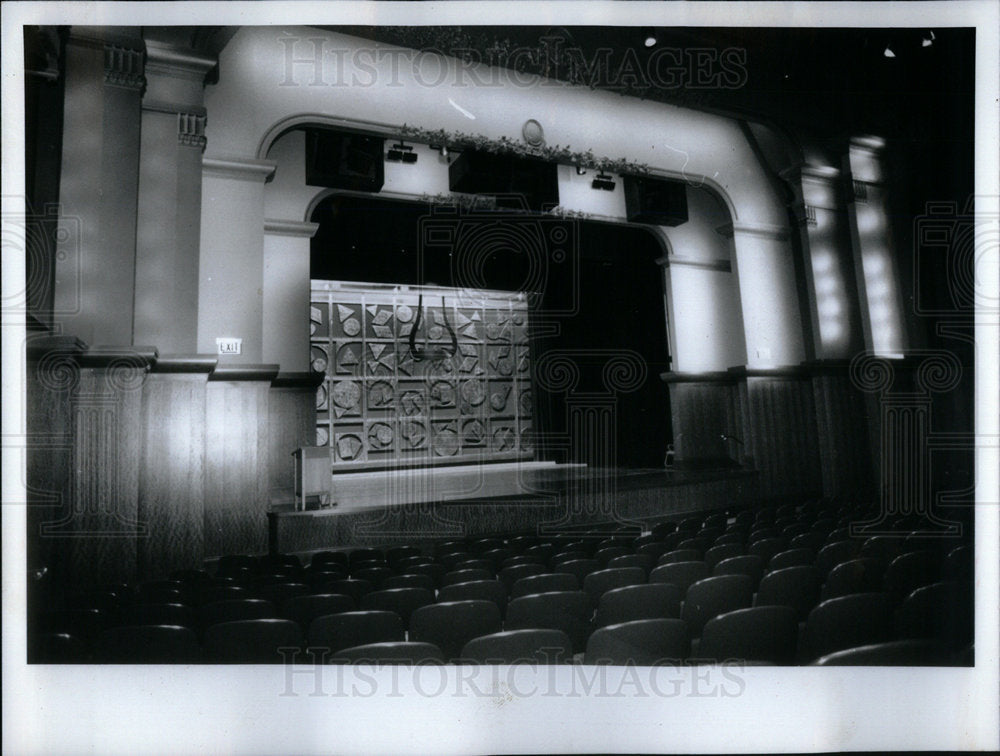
487,173
656,201
341,160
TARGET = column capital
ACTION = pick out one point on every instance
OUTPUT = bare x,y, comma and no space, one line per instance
167,60
302,229
239,169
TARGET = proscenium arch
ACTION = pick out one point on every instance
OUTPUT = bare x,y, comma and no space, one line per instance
394,131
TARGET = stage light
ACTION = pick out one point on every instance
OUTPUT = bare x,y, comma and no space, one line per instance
604,182
581,171
888,52
649,37
401,153
928,39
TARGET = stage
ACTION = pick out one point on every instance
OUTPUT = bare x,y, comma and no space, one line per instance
537,498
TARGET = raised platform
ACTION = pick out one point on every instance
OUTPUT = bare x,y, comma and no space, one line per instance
550,500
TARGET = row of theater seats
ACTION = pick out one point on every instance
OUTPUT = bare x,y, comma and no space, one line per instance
776,585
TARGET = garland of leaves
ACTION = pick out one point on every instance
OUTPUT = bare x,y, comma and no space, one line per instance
480,202
458,140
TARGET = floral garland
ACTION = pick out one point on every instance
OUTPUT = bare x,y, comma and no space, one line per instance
459,140
485,202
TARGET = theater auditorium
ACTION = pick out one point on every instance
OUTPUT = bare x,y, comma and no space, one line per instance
524,344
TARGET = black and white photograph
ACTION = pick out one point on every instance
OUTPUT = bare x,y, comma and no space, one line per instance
474,377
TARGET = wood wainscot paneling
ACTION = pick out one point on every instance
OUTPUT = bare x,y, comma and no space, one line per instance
103,527
172,472
292,423
781,417
52,378
842,431
236,459
707,418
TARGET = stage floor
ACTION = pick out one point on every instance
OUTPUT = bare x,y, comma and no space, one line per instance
548,499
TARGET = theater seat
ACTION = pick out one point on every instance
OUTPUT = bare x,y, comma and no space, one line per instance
257,641
407,580
635,602
57,648
545,582
713,596
760,634
304,609
796,587
748,564
236,609
645,642
148,644
681,574
942,611
861,575
485,590
452,624
160,614
338,631
596,584
400,652
528,646
403,601
903,653
845,622
568,611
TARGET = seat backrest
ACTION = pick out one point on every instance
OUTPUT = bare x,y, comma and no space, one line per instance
255,641
861,575
845,622
452,624
901,653
485,590
148,644
403,601
719,552
835,552
528,646
635,602
337,631
407,580
679,555
645,562
748,564
279,593
796,557
304,609
399,652
643,642
160,614
712,596
234,610
758,634
578,567
547,581
511,574
907,572
465,576
797,587
568,611
766,548
352,587
944,611
596,584
681,574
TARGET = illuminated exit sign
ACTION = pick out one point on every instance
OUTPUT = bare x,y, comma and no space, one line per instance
229,346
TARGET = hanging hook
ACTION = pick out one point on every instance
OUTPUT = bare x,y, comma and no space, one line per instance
431,353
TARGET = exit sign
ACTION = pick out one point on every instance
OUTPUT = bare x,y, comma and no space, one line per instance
229,346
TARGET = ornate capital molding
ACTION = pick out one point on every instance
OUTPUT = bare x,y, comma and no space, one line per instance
762,230
166,60
290,228
805,215
123,67
860,191
191,130
239,169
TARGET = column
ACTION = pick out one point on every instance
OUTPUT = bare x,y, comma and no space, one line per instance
765,271
169,206
286,293
874,256
95,278
231,264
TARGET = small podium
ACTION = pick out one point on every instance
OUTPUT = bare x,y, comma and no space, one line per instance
312,474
